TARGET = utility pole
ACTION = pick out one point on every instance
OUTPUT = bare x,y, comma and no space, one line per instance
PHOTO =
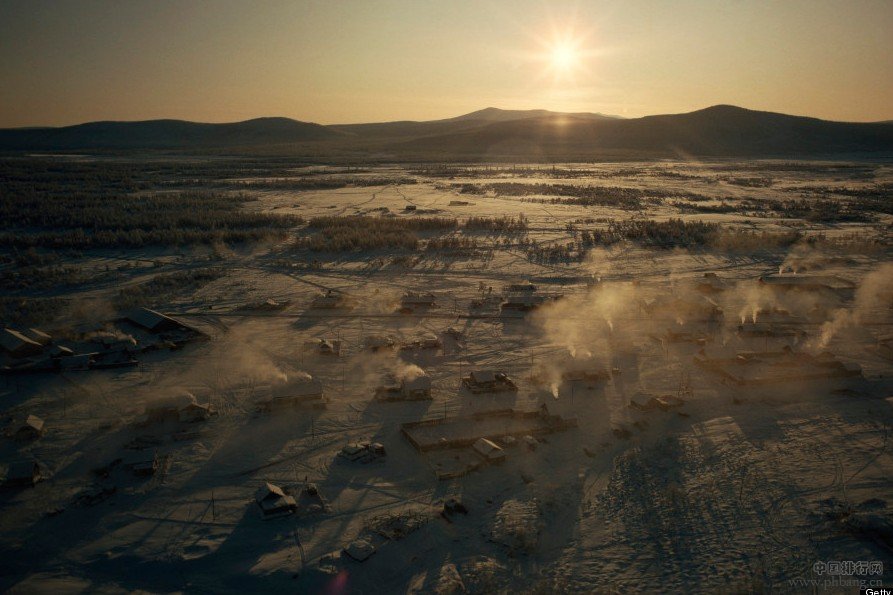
460,367
300,548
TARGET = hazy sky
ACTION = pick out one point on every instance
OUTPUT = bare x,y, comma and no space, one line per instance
332,61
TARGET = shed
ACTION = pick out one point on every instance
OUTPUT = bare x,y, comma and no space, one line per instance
195,412
274,502
329,347
17,344
489,450
113,341
354,451
416,387
330,300
362,451
792,281
142,462
488,381
32,428
80,361
303,385
413,299
38,336
525,301
376,343
453,333
57,351
23,474
710,283
153,321
483,376
428,341
303,391
168,408
360,549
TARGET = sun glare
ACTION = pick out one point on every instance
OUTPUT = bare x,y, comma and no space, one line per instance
564,57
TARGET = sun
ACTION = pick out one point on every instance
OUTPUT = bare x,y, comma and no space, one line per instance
563,57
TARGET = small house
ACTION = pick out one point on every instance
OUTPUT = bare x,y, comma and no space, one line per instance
362,451
16,344
353,451
526,287
390,388
325,347
31,429
109,341
38,336
584,368
57,351
488,381
167,409
526,302
454,334
815,283
662,402
75,362
268,305
376,343
302,392
429,341
142,462
701,308
154,322
274,502
710,283
196,412
412,299
330,300
416,387
23,474
409,387
360,549
488,450
329,347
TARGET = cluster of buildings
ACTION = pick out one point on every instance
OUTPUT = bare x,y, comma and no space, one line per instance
31,350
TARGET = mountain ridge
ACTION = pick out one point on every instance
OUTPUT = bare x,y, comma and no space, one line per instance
719,130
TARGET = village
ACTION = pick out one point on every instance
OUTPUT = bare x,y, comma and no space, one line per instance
414,364
500,400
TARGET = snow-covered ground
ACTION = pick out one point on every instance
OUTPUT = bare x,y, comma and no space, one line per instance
742,488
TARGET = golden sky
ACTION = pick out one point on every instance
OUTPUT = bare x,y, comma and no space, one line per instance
340,61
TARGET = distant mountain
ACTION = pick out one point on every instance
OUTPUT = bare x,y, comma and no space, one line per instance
721,130
165,134
718,131
494,114
409,128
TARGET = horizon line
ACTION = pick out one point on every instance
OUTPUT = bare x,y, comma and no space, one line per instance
271,117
